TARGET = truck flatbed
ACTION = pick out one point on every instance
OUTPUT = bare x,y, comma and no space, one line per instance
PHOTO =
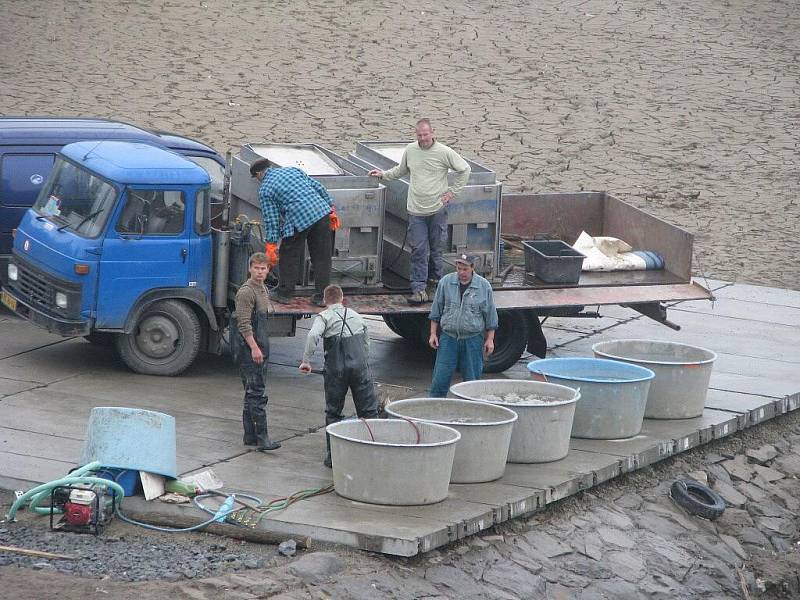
541,299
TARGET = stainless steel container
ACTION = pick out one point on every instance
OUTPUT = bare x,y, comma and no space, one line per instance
360,204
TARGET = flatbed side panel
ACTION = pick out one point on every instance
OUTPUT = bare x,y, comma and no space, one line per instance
377,304
564,216
646,232
558,216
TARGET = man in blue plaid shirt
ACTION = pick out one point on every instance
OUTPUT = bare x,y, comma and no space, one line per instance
296,210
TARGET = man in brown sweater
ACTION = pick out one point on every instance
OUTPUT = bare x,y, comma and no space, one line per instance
252,310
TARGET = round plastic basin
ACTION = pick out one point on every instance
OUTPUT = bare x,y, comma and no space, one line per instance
613,394
545,410
390,461
682,374
485,430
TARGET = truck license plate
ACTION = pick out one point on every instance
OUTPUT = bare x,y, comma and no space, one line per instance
8,300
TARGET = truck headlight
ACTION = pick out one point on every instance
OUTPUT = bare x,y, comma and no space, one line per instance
13,273
61,300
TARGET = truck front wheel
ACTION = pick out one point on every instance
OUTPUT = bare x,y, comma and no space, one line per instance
164,341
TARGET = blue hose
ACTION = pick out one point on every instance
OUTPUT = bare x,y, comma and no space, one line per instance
219,516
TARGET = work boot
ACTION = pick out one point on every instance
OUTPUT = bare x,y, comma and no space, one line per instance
327,462
420,297
249,438
264,443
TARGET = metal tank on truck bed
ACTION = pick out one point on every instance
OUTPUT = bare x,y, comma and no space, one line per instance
473,218
359,200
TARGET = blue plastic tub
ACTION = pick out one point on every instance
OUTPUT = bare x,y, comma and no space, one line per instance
613,394
131,438
127,478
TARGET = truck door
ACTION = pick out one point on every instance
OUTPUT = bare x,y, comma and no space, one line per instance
145,249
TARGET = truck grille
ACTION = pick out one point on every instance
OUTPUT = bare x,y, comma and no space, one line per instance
38,289
34,287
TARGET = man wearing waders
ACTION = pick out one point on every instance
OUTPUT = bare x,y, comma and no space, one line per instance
251,351
346,343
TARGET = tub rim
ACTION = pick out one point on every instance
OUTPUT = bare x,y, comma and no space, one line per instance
651,375
509,405
390,444
453,424
654,362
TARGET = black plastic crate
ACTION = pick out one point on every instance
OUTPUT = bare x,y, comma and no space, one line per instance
553,261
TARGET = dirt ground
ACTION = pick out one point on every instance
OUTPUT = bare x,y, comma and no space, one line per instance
687,109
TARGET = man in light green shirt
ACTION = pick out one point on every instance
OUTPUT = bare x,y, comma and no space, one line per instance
428,163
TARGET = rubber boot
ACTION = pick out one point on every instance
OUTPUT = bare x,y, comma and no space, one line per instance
249,438
328,462
264,443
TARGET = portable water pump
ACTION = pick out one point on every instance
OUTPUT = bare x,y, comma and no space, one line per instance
85,508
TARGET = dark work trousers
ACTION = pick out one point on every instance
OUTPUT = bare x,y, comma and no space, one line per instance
346,368
254,380
319,238
427,237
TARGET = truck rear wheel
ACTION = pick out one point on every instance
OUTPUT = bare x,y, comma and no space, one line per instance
510,341
164,341
412,327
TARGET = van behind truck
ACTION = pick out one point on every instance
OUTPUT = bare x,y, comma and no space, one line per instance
28,147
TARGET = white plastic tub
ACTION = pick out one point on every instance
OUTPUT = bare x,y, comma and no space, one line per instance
485,430
682,374
390,461
542,432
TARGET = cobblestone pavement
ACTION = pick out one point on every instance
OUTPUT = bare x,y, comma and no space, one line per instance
688,109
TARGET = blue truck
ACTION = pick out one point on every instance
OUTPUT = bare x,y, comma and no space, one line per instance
28,148
119,247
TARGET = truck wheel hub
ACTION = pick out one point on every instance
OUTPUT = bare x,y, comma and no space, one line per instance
157,336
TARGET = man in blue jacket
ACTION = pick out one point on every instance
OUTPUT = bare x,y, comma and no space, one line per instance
463,321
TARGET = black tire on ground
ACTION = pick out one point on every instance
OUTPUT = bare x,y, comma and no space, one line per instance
413,327
101,338
697,499
510,341
392,324
165,340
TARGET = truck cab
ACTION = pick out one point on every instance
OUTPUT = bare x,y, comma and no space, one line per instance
28,148
118,244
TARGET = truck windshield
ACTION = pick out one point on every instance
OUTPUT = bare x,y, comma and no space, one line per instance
76,199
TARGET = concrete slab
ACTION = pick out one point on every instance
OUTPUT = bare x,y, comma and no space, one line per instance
9,387
634,453
578,471
47,390
20,471
511,501
760,295
745,310
756,408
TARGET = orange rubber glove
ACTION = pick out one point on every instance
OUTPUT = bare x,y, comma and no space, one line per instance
335,222
271,251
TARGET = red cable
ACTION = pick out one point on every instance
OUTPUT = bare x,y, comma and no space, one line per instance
363,420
